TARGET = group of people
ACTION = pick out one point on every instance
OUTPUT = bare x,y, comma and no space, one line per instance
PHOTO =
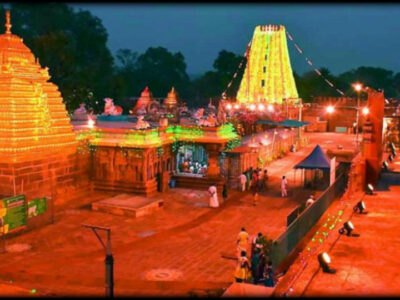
257,270
254,179
187,166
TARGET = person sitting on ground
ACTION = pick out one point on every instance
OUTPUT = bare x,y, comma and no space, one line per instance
310,201
269,275
242,269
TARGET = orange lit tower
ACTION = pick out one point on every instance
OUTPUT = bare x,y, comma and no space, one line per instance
37,141
171,100
268,77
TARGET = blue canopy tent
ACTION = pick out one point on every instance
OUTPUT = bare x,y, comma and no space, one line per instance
316,160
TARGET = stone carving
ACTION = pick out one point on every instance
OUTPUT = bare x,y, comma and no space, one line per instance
141,124
110,109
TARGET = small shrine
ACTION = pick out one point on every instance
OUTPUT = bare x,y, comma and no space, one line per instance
143,102
171,101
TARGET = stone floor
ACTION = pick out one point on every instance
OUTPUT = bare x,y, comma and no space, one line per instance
176,251
367,265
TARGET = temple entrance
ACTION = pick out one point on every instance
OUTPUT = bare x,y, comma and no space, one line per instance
192,160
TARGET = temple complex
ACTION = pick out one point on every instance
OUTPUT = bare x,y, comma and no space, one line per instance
268,77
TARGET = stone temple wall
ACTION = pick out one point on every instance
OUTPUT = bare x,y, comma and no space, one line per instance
65,177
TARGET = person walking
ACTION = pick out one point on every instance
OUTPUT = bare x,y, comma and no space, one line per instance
284,186
254,188
242,240
242,268
213,202
224,193
265,179
243,181
248,179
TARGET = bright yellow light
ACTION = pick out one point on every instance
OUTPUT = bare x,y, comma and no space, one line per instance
229,106
270,108
330,109
252,107
358,87
365,111
261,107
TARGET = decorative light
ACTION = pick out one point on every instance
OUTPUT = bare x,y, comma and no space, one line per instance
228,106
330,109
270,68
270,108
236,106
324,261
365,111
252,107
357,87
385,165
261,107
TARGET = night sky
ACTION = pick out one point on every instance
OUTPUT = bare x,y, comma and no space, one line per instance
337,36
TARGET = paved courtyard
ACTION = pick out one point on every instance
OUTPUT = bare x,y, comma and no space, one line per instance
175,251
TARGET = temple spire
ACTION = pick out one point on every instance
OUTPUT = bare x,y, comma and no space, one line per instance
8,23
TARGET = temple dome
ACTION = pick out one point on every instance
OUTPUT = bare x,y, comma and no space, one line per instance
171,100
33,117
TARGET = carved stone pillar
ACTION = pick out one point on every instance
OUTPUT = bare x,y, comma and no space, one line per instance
213,151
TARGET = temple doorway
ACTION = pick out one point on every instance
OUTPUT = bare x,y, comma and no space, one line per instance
192,160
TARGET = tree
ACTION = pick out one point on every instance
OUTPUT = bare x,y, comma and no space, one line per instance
72,44
213,83
160,70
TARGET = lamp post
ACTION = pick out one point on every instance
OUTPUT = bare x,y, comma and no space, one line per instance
357,87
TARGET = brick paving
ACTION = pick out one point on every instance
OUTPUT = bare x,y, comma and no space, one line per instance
184,238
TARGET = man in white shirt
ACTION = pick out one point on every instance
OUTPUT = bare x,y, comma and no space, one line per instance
243,180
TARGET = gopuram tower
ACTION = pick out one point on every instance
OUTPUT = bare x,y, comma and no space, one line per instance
37,144
268,77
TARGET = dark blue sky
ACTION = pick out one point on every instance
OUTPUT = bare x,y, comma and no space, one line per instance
338,36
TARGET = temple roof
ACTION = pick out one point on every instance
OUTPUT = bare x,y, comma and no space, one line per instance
33,118
171,99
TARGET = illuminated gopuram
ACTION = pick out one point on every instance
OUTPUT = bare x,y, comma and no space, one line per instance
37,144
268,77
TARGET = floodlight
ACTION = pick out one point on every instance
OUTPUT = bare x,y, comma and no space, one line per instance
348,227
324,261
370,189
330,109
365,111
359,207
